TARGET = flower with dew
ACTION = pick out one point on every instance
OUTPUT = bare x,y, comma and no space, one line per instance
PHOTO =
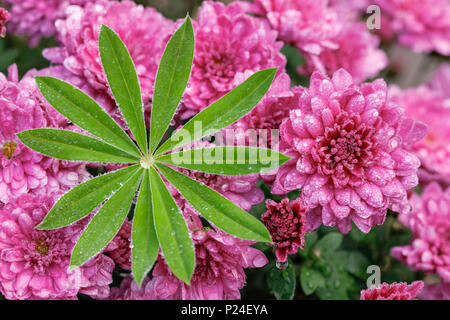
357,52
286,222
23,170
36,18
433,108
393,291
219,271
429,221
347,144
34,263
310,25
424,26
229,43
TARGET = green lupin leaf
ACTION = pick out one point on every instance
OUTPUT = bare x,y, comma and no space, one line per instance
83,111
216,208
171,80
223,112
81,200
106,223
124,83
226,160
69,145
143,237
172,231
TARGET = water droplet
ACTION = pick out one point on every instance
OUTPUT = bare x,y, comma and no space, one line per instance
282,265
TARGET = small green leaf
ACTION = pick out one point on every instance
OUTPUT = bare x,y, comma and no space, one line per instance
69,145
81,200
226,160
82,110
171,80
216,208
106,223
357,264
172,231
282,283
310,279
330,242
124,82
223,112
143,236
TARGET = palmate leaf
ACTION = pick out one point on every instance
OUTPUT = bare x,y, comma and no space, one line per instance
106,222
143,236
81,200
172,231
226,160
217,209
171,80
158,221
83,111
228,109
69,145
124,83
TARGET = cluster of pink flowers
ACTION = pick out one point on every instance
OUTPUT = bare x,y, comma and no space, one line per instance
423,25
328,36
36,18
356,149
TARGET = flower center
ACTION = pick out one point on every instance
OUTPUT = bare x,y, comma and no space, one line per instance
147,161
345,148
8,149
42,248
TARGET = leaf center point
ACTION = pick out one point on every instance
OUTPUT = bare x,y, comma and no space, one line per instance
147,161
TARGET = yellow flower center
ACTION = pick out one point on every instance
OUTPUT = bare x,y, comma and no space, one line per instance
8,149
42,248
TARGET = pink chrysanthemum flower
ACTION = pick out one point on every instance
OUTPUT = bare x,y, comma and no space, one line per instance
347,144
4,18
357,52
229,42
143,30
440,291
119,248
219,271
286,222
311,25
23,170
429,222
36,18
422,25
432,108
34,263
393,291
129,290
